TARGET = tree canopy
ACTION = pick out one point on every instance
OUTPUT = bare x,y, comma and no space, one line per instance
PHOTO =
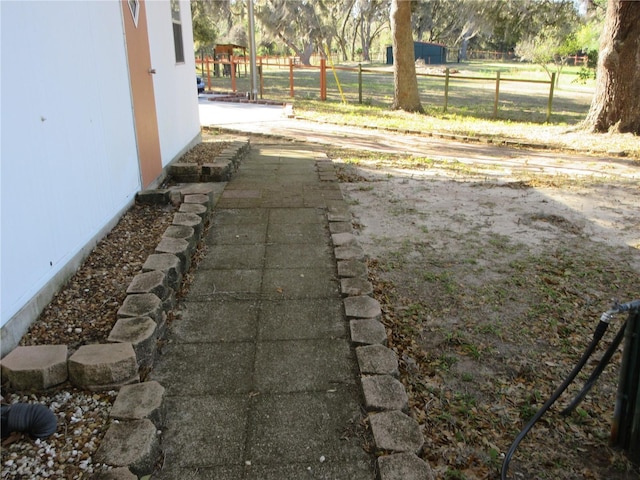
357,28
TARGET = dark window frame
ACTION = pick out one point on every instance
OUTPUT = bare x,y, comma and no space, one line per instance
178,43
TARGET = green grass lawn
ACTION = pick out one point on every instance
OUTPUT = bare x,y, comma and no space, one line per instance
521,114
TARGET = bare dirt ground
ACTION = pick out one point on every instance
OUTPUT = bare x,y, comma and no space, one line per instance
492,273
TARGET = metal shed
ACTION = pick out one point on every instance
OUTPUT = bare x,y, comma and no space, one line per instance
431,53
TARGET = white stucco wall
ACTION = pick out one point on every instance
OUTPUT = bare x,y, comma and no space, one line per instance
68,153
69,164
174,84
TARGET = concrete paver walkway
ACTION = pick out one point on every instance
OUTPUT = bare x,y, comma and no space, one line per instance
260,375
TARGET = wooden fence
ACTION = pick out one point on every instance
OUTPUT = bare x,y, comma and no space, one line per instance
235,67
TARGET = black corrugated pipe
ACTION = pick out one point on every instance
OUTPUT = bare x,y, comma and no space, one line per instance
32,418
597,335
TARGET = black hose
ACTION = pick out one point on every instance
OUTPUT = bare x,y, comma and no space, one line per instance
600,329
32,418
604,361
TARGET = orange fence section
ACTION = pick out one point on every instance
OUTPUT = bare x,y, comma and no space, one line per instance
235,65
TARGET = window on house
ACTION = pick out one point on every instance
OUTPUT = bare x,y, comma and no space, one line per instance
177,31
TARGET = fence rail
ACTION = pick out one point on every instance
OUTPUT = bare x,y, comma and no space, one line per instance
235,67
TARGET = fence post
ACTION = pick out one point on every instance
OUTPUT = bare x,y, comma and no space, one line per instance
291,77
233,73
208,75
261,79
446,89
495,101
323,79
550,102
360,83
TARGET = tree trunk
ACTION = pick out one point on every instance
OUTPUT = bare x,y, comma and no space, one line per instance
406,95
305,55
462,55
365,35
616,103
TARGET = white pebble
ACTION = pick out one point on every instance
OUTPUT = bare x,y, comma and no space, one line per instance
322,459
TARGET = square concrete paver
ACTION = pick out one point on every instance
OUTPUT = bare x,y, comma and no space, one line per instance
227,257
237,234
302,427
296,215
216,368
210,283
359,469
213,427
299,283
172,472
219,320
299,256
249,203
302,319
306,233
303,365
237,216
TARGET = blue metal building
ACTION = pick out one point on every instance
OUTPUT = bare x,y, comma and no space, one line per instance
431,53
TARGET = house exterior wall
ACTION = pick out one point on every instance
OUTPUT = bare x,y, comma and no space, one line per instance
69,163
179,127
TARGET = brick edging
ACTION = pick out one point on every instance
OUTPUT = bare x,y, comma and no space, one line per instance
397,436
172,258
220,169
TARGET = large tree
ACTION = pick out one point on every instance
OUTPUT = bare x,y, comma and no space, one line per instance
406,96
301,25
616,104
204,29
372,20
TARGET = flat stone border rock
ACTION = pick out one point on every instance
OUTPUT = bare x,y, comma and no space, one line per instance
367,331
219,169
377,360
134,444
35,367
141,333
383,392
143,400
396,432
362,306
103,366
404,466
384,396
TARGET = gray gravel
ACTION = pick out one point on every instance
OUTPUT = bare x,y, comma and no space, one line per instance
68,453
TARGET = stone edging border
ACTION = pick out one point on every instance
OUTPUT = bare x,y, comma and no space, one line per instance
237,97
220,169
131,444
397,436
